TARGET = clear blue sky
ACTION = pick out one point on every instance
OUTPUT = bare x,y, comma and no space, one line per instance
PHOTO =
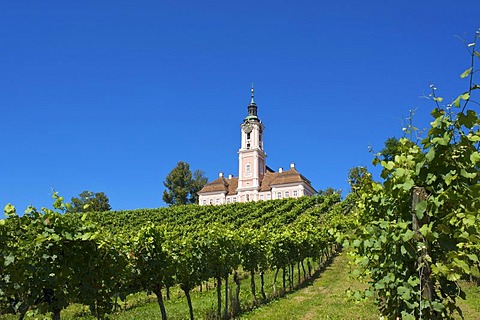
110,95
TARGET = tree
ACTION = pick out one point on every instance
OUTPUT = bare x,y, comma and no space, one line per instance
182,186
357,177
199,180
393,147
89,201
329,191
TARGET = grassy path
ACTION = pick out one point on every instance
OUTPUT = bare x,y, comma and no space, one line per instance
323,299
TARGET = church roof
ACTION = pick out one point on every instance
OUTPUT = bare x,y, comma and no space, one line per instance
221,185
290,176
270,179
286,177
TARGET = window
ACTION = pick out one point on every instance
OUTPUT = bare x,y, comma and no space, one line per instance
228,200
211,201
248,145
248,197
217,201
287,194
204,202
234,199
295,193
248,167
261,197
269,196
248,136
279,195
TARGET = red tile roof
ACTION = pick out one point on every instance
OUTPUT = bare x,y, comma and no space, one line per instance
270,179
221,185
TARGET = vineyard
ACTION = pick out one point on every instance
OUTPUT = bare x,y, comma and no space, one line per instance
52,259
414,236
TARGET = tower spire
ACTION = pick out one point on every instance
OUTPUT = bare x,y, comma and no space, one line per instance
252,101
252,107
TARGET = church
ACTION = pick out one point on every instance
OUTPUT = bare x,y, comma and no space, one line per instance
255,181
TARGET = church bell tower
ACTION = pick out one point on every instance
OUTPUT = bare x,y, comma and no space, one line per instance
251,156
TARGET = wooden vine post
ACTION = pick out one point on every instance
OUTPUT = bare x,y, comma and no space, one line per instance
423,262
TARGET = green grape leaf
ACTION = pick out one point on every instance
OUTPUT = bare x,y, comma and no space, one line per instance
400,172
420,209
469,220
407,316
456,102
468,175
408,184
466,73
437,306
473,257
461,264
475,157
430,154
468,120
404,292
407,236
473,138
9,260
9,210
388,164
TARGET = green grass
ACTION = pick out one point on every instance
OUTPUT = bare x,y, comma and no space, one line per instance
470,306
323,298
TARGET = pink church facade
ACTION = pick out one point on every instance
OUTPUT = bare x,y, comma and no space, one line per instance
255,181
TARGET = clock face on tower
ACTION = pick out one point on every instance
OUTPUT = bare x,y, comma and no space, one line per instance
247,127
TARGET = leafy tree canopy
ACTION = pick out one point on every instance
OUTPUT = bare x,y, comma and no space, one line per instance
182,185
329,191
393,147
199,180
89,201
357,177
